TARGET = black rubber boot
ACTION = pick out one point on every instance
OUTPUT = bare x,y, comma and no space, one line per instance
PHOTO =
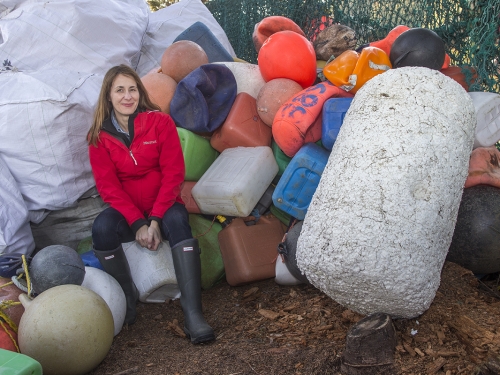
115,263
187,264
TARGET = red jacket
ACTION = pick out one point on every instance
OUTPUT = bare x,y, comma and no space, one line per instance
144,180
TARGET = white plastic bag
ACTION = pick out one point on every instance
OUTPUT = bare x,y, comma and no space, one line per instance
15,232
43,134
82,35
167,23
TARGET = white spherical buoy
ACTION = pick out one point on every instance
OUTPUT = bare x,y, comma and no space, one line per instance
108,288
67,328
377,231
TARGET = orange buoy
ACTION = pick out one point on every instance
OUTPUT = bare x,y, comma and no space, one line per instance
181,58
160,88
286,54
270,25
273,95
350,71
298,121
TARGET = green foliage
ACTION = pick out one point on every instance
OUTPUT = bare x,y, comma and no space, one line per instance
155,5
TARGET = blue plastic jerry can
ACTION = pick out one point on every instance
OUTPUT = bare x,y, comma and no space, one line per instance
334,111
295,189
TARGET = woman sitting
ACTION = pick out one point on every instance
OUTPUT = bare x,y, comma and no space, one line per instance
138,166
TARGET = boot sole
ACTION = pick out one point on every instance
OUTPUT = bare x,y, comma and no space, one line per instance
200,339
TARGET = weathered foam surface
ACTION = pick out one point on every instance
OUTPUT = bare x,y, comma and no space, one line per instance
380,223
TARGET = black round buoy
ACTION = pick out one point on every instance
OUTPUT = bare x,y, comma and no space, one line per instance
476,241
418,47
291,250
56,265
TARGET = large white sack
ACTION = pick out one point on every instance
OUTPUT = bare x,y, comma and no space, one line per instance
15,232
82,35
7,6
45,117
167,23
380,223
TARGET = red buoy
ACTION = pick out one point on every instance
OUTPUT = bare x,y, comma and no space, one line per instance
270,25
286,54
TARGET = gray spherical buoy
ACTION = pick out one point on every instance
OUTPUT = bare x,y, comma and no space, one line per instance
418,47
56,265
476,239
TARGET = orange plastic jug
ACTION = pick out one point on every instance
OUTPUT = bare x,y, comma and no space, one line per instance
243,126
250,252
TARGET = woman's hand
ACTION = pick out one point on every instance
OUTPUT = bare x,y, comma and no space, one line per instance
155,233
149,236
142,236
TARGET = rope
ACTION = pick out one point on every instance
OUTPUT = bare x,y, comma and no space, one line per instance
10,336
208,230
28,280
6,284
3,316
16,282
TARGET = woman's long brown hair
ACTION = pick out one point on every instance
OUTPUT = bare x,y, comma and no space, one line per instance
104,105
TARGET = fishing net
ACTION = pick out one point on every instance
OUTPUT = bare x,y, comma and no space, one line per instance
470,29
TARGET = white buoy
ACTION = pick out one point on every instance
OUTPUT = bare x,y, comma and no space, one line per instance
248,77
108,288
380,223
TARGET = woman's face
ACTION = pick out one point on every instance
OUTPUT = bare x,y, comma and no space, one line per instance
124,95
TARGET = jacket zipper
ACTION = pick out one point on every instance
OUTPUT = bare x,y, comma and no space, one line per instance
132,155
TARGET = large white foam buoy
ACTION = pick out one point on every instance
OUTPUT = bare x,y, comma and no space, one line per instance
380,223
108,288
67,328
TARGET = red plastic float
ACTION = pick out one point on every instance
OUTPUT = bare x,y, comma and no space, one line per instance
287,54
457,73
270,25
297,120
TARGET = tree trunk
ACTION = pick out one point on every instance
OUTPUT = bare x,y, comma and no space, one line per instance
370,346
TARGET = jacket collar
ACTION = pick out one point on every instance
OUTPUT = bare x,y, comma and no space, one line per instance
108,127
